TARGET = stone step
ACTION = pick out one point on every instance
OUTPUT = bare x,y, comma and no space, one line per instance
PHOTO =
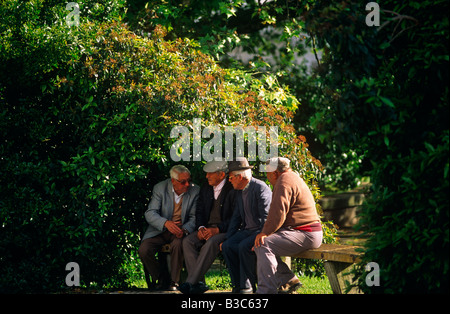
343,208
342,200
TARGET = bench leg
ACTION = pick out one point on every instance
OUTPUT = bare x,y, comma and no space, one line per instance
288,261
337,273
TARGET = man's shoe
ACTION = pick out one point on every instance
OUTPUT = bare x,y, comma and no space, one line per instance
290,287
246,291
199,288
185,288
173,286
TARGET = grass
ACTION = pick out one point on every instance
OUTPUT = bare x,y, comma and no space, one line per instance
220,280
314,285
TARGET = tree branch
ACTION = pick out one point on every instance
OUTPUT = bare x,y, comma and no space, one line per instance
399,18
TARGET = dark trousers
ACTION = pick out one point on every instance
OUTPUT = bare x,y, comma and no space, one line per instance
240,259
147,252
200,255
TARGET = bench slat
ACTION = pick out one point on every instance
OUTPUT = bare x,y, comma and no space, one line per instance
333,252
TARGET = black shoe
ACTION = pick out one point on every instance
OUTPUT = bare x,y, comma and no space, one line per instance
199,288
290,287
185,288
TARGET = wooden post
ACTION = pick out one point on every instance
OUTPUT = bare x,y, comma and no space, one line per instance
338,273
288,261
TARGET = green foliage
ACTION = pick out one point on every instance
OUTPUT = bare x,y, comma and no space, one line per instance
386,94
86,117
377,105
410,222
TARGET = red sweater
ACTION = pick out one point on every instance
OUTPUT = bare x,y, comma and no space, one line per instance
292,204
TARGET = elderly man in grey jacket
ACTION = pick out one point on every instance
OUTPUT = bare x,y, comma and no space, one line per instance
170,216
252,203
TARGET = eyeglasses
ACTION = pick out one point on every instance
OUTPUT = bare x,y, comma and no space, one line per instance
183,182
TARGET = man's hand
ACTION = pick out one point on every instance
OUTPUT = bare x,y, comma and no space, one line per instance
201,234
207,233
173,228
259,240
211,232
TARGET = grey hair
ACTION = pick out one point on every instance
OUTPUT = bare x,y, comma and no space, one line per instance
176,170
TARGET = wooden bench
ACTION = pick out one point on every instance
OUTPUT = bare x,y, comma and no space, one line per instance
165,248
338,262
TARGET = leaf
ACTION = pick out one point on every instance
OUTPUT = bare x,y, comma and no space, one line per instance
387,101
429,147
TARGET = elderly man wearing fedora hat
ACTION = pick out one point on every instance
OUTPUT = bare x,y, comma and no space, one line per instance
213,215
252,202
292,226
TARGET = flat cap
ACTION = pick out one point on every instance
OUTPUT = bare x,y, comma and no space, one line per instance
214,166
277,163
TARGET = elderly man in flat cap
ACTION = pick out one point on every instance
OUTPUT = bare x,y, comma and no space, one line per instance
292,226
252,202
213,215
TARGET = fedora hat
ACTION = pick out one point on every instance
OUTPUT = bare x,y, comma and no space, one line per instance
241,163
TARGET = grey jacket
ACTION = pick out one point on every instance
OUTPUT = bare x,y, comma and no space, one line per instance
160,208
259,198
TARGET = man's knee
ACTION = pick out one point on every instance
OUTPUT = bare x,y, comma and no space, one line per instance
245,247
189,241
143,250
261,250
226,247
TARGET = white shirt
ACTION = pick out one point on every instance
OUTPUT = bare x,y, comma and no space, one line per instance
218,188
177,197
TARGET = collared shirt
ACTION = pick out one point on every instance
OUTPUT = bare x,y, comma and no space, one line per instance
218,188
177,197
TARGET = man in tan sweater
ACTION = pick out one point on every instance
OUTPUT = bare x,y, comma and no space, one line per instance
292,226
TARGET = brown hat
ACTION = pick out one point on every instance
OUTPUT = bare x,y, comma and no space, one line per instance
241,163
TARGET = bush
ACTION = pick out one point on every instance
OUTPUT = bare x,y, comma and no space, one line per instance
386,96
86,118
